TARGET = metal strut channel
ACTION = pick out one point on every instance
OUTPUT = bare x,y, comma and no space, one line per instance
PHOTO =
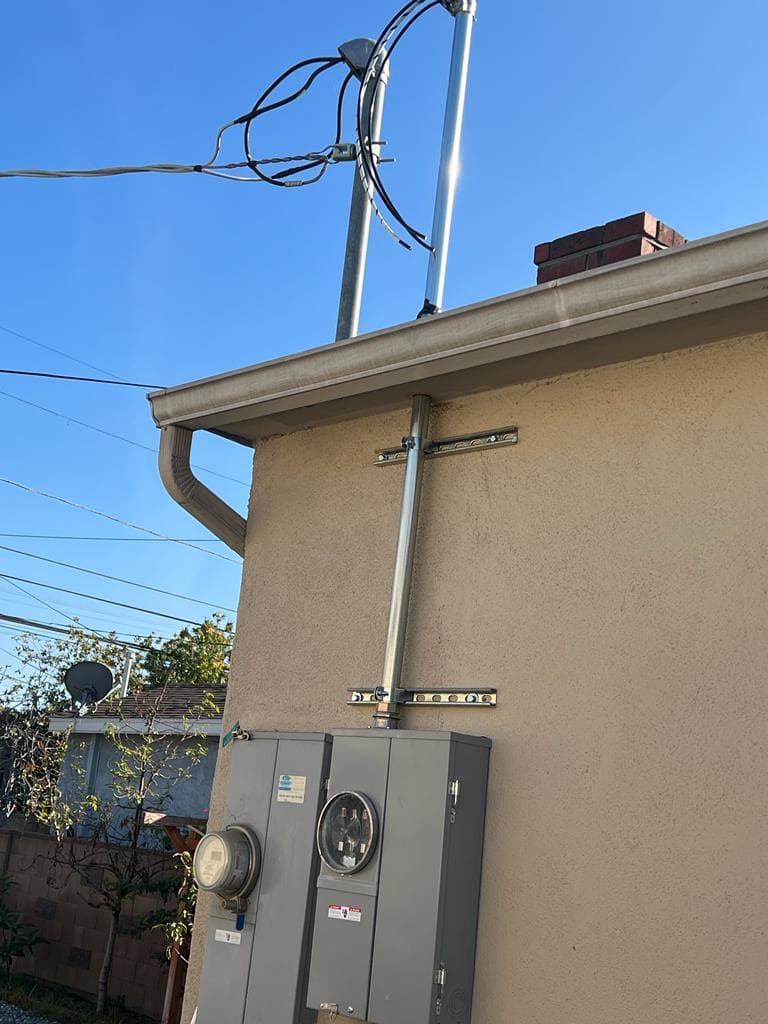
478,442
388,697
450,697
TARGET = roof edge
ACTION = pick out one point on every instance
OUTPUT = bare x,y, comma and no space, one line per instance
376,371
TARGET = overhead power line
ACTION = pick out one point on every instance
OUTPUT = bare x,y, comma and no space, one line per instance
93,597
58,351
116,579
216,170
116,437
140,540
10,628
114,519
52,608
52,628
86,380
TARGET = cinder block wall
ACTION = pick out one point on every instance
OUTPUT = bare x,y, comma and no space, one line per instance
77,933
608,576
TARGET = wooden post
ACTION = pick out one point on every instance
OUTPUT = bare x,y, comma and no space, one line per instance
183,842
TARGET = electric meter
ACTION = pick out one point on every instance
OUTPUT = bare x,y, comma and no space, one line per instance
347,832
227,863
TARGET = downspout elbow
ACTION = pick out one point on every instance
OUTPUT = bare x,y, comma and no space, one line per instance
193,496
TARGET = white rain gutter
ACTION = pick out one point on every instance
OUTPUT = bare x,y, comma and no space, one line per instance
193,496
706,291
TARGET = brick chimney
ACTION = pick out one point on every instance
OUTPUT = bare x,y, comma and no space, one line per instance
622,239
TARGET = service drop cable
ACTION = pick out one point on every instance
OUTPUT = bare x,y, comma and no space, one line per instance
366,154
320,159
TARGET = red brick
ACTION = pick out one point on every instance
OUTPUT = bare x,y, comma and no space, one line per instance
563,268
541,253
619,251
636,224
679,240
647,247
665,234
576,242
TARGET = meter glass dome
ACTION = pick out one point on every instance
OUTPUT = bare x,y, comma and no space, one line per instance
227,862
347,832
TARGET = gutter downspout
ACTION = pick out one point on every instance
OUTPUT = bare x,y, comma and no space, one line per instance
193,496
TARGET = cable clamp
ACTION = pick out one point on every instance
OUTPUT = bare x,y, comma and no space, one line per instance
343,152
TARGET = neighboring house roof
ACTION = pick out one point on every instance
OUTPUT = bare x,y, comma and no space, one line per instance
174,703
705,291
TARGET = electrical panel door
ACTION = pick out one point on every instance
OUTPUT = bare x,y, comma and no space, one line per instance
396,922
255,962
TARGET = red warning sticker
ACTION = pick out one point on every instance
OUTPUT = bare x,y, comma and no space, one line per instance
341,913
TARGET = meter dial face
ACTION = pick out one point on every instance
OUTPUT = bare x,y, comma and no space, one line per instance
347,832
227,862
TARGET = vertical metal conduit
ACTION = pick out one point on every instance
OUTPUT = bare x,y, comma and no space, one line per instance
359,229
386,715
464,12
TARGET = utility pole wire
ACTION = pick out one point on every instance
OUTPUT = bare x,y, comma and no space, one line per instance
56,611
117,437
114,519
92,597
52,628
58,351
86,380
139,540
116,579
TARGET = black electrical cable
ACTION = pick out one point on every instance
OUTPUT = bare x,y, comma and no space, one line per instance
259,110
367,159
340,106
87,380
418,236
370,81
339,129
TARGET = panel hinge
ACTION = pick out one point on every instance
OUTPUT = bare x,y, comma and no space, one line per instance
453,790
440,977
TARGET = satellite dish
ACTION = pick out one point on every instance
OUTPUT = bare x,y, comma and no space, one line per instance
88,681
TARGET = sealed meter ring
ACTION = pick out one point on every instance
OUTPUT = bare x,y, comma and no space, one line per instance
347,832
227,863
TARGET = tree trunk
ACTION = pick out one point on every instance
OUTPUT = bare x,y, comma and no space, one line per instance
106,964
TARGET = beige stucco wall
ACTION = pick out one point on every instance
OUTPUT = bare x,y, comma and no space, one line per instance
609,575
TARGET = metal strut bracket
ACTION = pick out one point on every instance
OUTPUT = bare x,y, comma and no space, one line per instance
452,698
480,441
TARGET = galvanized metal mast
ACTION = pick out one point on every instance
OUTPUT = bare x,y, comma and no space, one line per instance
464,12
358,231
386,715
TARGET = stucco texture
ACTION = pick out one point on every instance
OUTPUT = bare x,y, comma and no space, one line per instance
609,577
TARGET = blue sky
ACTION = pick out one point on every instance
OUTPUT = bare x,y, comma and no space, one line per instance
577,113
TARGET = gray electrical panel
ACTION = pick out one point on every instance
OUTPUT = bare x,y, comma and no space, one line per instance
398,891
255,965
